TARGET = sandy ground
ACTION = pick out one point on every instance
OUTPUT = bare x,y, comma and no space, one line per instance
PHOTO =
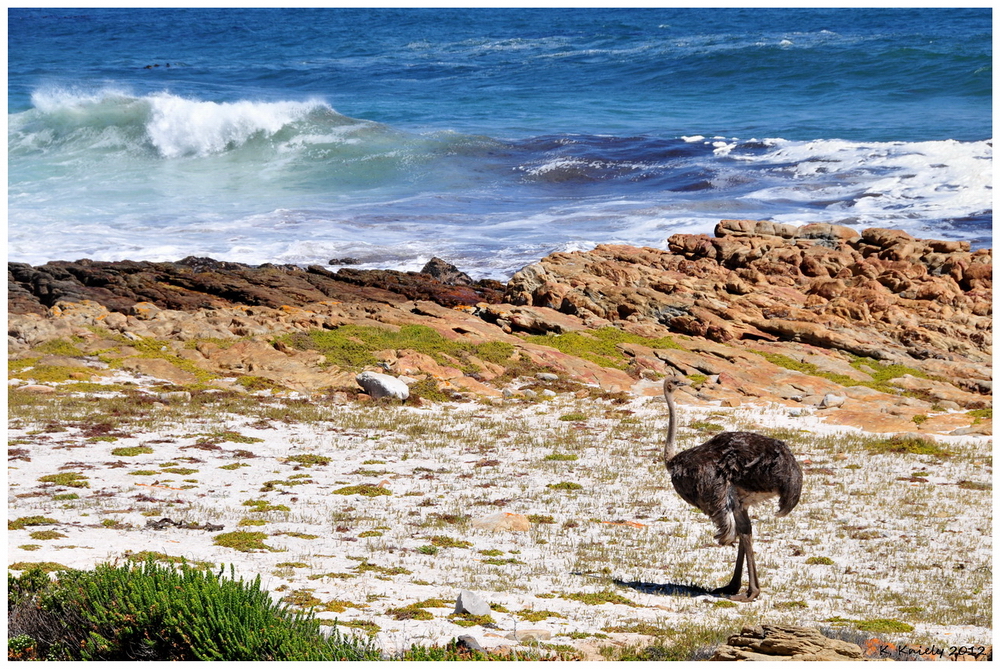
876,536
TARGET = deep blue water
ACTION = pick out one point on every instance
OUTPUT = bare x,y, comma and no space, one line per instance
487,137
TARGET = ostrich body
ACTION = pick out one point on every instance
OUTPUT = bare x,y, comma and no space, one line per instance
724,477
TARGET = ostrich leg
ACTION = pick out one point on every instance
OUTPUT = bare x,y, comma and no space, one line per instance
753,589
734,583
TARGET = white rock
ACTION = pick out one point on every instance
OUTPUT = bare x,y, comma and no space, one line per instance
382,385
831,400
546,376
470,602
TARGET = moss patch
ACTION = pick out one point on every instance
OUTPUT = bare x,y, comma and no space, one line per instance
68,479
601,346
30,521
597,598
353,346
130,451
905,444
243,541
364,489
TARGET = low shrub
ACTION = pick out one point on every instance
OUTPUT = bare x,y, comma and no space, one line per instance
159,612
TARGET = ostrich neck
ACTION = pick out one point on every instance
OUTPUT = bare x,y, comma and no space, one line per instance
670,448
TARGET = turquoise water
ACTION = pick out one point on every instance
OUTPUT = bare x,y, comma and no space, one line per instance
487,137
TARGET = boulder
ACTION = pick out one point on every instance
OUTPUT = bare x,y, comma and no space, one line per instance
470,602
382,385
785,642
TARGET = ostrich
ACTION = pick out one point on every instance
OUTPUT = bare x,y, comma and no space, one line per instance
725,476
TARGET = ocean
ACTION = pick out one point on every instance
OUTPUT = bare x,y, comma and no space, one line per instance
487,137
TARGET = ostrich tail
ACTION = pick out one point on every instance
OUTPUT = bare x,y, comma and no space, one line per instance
731,519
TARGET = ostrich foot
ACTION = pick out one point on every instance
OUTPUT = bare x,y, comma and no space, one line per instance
749,597
726,590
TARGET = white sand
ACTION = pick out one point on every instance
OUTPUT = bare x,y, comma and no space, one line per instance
894,544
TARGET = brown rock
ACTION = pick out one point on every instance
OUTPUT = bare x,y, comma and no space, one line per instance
503,521
160,369
785,642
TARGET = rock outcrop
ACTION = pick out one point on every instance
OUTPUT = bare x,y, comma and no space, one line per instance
785,642
881,294
875,329
202,283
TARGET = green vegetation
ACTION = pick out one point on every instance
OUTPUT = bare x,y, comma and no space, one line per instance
180,471
704,426
149,347
230,436
365,566
907,444
258,383
308,460
129,451
48,373
263,506
352,346
156,556
251,522
243,541
447,542
470,620
697,379
30,521
41,566
600,346
68,479
534,616
877,625
574,417
561,457
46,535
979,415
880,374
364,489
597,598
59,347
565,485
159,612
819,560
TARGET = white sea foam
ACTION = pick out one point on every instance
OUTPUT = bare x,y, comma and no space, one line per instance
179,126
882,180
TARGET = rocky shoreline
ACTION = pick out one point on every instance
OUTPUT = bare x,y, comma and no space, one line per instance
877,329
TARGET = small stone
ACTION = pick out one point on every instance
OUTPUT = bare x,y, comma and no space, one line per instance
470,602
831,401
546,376
469,641
514,522
382,385
548,393
37,388
531,635
175,396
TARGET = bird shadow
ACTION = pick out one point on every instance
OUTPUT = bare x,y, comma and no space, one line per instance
668,589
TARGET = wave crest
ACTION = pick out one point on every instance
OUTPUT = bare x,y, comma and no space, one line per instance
170,125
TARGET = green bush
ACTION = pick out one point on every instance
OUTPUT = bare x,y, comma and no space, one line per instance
159,612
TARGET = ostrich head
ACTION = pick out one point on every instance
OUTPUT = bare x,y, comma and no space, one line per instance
672,383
